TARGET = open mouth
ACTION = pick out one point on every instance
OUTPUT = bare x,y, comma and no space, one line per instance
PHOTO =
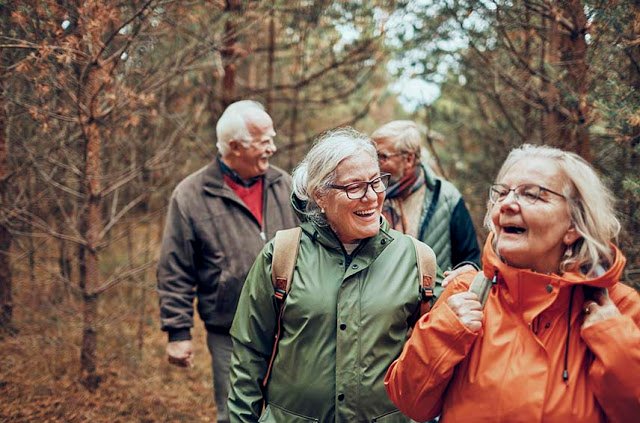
513,229
365,213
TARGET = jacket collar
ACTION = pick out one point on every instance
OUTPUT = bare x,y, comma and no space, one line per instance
429,176
213,181
534,292
368,248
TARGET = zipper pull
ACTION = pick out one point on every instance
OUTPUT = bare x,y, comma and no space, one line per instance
263,236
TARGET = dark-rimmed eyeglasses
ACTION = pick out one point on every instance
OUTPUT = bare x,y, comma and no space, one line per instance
529,193
383,157
357,190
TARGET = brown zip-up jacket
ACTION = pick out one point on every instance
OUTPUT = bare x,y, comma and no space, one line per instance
210,241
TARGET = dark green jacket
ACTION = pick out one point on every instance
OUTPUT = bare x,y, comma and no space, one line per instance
445,224
345,321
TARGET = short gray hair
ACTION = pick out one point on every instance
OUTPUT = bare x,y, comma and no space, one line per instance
590,206
404,134
232,125
317,170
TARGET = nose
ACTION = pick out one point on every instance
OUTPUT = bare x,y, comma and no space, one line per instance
370,194
271,147
510,201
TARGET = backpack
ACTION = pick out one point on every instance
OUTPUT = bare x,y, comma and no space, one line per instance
285,254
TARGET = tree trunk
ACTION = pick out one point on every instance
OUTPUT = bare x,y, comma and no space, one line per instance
271,56
575,59
229,53
93,225
567,123
6,302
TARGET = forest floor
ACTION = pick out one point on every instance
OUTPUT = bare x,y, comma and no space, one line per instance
40,361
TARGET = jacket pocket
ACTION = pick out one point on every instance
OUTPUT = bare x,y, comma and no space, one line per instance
229,289
275,414
393,416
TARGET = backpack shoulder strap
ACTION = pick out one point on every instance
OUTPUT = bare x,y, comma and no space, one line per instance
481,286
426,272
285,253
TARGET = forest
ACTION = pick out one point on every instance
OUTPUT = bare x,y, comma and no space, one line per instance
106,105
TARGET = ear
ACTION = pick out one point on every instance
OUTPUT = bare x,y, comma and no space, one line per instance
571,235
235,147
321,200
410,159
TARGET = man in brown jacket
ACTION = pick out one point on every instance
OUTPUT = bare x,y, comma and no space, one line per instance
219,218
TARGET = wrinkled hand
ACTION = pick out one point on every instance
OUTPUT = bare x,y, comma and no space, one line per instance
468,309
452,274
599,308
180,353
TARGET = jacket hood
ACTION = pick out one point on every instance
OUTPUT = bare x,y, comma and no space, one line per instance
533,291
299,207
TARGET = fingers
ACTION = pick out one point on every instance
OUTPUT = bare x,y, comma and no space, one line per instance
452,274
180,361
468,309
186,361
180,353
600,309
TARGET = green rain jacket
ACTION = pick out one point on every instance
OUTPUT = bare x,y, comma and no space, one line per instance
345,320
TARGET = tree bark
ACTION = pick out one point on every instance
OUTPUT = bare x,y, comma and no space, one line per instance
93,226
229,53
271,56
6,300
567,124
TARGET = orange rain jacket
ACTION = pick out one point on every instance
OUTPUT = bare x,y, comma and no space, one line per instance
513,370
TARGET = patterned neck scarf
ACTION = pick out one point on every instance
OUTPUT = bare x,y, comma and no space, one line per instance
396,193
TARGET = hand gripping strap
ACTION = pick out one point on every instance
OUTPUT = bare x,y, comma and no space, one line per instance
481,286
427,266
285,253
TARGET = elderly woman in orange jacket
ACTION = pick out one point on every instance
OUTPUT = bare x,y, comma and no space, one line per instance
559,337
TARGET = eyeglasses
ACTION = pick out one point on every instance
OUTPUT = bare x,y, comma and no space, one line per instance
530,193
383,157
358,190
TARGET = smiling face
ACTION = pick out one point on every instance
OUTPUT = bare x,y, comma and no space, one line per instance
253,159
353,220
533,236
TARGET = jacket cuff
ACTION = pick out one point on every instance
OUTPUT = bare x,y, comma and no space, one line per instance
179,335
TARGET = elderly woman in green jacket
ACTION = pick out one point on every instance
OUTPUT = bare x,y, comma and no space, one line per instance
354,295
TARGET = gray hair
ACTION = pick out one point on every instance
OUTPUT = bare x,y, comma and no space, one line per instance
590,207
404,134
232,125
317,170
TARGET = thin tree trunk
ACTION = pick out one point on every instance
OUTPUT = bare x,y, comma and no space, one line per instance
6,301
142,302
93,223
229,54
528,126
271,56
575,60
553,123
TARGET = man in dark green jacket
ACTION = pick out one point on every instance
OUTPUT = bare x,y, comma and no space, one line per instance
219,219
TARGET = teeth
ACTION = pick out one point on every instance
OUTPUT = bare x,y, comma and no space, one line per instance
365,212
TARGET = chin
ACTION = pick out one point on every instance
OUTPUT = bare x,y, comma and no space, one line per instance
369,232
